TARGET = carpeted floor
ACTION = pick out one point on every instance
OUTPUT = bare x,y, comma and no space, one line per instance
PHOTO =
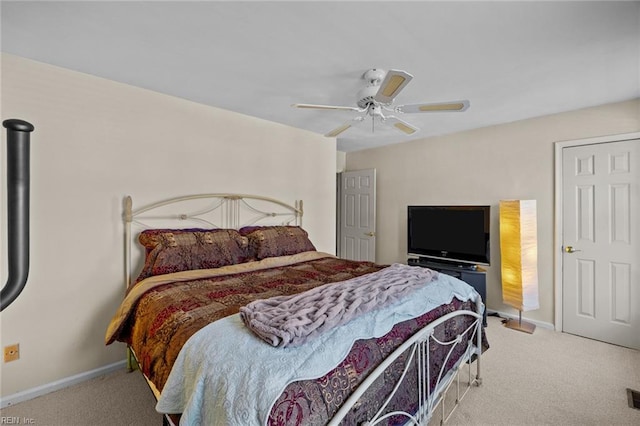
115,399
550,378
547,378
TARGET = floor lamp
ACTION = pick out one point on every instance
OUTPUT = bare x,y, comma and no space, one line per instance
519,259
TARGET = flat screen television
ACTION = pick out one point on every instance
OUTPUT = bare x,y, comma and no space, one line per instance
455,234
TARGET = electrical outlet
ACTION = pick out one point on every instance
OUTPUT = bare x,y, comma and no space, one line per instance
11,352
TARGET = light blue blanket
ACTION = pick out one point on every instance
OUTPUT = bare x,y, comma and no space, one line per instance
225,375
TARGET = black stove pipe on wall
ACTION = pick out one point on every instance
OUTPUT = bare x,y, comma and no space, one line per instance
18,135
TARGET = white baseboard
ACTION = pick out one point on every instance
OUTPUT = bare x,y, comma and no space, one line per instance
59,384
541,324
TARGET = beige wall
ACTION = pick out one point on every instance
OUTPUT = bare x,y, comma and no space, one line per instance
341,161
483,166
97,141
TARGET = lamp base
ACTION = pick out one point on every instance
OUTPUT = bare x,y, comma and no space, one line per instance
518,324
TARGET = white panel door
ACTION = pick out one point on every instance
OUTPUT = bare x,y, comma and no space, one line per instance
601,242
358,215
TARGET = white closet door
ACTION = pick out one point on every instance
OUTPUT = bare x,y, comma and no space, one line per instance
601,242
358,215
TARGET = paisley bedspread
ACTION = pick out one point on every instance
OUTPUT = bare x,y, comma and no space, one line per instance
161,313
315,402
239,387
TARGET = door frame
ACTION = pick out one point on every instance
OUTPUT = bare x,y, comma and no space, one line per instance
557,234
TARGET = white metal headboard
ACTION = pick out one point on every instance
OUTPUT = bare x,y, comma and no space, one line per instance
225,211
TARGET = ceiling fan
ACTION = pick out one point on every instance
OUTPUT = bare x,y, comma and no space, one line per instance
377,97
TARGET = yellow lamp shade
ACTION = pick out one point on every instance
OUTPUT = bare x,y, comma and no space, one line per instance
519,254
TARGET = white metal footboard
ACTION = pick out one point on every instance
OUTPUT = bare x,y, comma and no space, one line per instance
418,346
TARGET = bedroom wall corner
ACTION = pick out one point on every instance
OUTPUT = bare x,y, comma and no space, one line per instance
95,142
341,161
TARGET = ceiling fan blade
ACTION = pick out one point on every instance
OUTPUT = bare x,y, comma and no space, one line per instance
393,83
401,125
313,106
453,106
344,127
335,132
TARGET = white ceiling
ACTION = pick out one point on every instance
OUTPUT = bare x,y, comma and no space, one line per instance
512,60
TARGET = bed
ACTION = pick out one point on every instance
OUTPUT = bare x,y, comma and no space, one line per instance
234,317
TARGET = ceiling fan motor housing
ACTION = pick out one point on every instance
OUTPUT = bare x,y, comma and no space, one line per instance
374,76
366,96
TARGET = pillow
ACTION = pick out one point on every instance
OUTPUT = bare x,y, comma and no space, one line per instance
175,250
272,241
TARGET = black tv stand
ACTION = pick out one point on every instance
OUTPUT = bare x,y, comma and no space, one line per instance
445,264
473,275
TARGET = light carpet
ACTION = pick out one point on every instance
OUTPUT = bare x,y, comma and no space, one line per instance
546,378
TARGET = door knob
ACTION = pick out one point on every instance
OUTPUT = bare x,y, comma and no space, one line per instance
570,249
370,234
